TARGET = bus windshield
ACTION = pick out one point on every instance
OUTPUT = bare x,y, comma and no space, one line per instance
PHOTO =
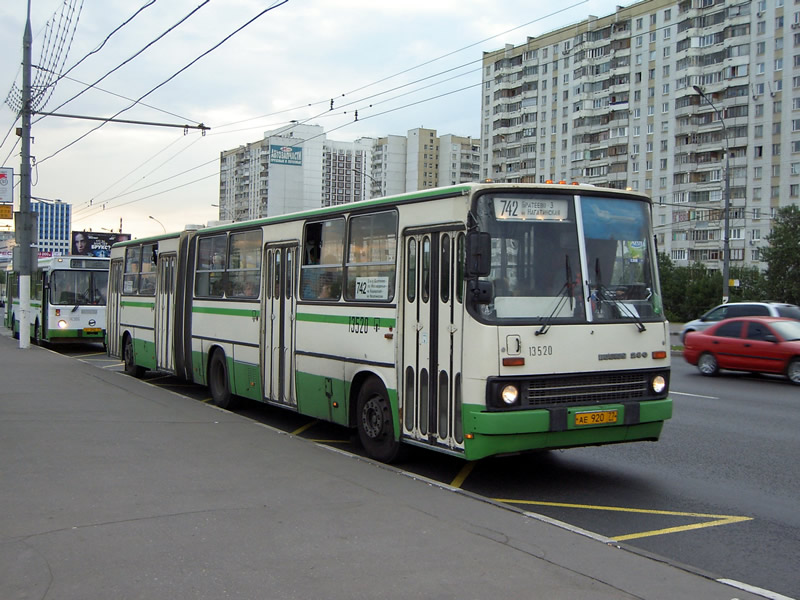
78,287
568,258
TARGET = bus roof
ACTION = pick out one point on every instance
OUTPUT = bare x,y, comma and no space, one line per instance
420,195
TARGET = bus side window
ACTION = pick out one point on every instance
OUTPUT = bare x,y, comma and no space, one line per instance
147,277
130,279
244,264
321,271
371,257
210,275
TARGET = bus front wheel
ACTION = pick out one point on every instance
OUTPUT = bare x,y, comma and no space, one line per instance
375,423
131,368
218,384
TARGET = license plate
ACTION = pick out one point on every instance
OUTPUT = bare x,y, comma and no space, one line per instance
92,329
596,417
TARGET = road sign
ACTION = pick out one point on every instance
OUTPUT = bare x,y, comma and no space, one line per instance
6,185
6,211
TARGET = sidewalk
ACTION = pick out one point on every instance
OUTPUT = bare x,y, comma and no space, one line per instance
115,489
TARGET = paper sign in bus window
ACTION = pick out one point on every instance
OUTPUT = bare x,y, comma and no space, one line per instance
372,288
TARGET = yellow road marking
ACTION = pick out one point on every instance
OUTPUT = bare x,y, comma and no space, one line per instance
330,441
722,521
92,354
305,427
206,400
152,379
462,475
119,364
717,519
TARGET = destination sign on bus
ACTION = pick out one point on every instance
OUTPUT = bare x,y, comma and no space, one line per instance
523,209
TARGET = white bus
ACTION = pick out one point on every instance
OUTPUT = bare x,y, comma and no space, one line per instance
476,320
68,300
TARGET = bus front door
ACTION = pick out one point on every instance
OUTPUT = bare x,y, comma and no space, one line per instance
278,306
165,313
112,308
432,323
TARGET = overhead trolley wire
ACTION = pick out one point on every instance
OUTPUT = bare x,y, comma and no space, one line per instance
173,76
377,94
119,66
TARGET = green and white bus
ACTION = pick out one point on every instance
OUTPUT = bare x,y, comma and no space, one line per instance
67,301
476,320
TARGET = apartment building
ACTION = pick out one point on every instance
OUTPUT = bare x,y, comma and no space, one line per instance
292,168
297,168
54,220
695,103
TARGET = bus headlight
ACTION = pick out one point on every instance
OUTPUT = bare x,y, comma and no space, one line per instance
659,384
509,394
62,324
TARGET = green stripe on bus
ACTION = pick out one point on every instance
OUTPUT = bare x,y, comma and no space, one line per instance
138,304
342,319
233,312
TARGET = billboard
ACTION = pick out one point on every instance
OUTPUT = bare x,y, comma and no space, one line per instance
6,186
95,243
286,155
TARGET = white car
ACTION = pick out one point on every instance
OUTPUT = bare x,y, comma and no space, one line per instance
741,309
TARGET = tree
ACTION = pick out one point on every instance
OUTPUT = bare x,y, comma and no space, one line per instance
688,291
783,270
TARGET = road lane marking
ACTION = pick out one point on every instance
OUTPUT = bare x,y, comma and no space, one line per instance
462,475
716,519
305,427
694,395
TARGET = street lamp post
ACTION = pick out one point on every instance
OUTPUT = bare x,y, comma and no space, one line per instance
159,222
726,252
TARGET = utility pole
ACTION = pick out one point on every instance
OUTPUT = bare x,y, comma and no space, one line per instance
24,218
726,251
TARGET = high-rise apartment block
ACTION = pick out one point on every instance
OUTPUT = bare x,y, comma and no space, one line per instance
293,168
297,168
54,220
660,97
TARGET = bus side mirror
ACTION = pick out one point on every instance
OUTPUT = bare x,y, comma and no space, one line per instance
479,254
481,291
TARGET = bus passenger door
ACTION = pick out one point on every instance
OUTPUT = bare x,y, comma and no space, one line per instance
112,308
432,321
278,323
165,313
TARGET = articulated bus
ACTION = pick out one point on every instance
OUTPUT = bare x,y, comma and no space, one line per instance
476,320
68,300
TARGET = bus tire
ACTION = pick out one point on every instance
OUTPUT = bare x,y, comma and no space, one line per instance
218,382
36,339
375,423
128,356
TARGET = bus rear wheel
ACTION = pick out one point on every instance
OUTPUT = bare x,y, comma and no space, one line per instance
375,423
131,368
218,384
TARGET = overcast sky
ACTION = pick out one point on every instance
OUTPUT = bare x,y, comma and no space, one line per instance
286,65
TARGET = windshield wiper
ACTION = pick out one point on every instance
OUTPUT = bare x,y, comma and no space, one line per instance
565,292
605,295
602,293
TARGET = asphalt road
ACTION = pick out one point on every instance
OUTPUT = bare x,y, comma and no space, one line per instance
718,492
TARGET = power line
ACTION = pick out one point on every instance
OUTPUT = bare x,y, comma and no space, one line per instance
103,43
328,113
173,76
122,64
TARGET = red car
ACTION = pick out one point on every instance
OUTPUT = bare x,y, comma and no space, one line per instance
755,344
